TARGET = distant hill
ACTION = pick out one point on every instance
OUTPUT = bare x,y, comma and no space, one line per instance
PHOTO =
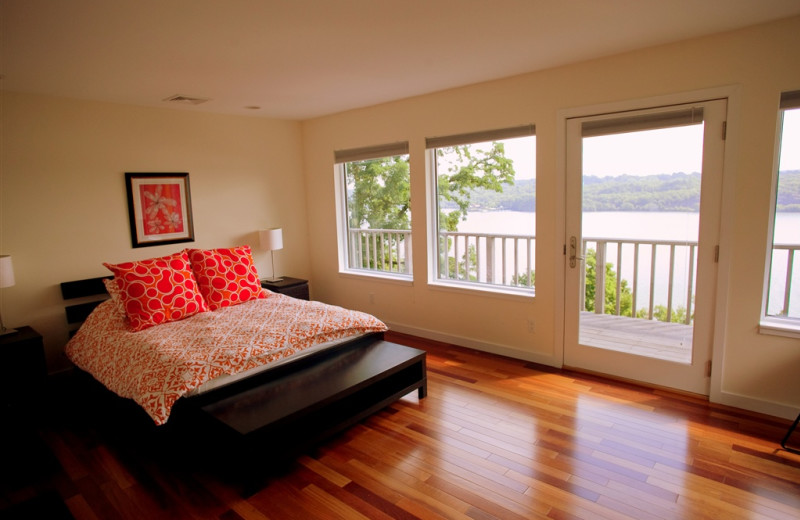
666,192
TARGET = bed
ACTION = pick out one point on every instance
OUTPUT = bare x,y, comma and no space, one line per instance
251,368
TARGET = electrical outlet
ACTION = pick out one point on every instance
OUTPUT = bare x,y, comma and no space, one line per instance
371,297
531,326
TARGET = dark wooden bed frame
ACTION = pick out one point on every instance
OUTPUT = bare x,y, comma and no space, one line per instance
295,405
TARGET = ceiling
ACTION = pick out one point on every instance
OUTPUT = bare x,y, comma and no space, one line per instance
298,59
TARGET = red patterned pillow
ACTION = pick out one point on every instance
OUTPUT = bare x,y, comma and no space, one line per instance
226,276
158,290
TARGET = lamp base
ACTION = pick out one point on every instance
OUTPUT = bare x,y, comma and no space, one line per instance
5,331
273,280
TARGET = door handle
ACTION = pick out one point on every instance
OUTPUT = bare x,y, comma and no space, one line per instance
573,252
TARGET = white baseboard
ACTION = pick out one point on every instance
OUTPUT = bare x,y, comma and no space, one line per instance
784,411
483,346
756,405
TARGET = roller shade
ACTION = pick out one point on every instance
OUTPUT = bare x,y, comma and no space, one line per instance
371,152
480,137
652,121
790,99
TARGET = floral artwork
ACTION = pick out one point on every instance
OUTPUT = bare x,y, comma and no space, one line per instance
161,211
159,208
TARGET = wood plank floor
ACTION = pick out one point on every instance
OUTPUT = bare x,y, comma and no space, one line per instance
494,438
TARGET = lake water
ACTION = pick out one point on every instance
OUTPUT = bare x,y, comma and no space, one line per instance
620,224
647,225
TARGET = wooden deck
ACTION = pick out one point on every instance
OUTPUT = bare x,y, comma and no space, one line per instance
655,339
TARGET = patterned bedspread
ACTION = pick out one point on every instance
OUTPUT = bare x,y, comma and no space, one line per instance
156,366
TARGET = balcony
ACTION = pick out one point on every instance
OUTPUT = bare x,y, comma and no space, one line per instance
656,277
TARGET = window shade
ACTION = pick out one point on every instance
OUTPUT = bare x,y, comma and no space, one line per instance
790,99
371,152
480,137
620,125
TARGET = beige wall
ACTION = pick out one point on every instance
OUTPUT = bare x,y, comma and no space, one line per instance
752,66
64,209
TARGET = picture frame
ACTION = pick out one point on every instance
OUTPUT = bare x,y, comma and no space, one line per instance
159,208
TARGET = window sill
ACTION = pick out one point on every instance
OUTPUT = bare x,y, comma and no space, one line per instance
403,279
787,327
487,290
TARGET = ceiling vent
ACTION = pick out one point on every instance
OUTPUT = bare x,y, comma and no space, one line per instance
186,100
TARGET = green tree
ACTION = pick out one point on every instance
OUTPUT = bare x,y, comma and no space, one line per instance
660,314
521,279
469,168
379,193
610,299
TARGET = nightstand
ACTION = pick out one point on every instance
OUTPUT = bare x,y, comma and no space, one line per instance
294,287
25,373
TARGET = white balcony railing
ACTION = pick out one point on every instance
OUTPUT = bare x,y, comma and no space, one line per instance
383,250
655,272
660,272
497,259
781,275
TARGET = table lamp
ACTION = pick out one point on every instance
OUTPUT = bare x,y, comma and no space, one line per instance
271,240
6,280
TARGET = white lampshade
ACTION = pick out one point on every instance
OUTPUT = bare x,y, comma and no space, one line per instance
271,239
6,271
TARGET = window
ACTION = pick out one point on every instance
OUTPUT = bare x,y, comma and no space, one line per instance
483,213
375,216
782,303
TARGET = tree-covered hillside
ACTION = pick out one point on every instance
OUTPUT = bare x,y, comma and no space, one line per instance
666,192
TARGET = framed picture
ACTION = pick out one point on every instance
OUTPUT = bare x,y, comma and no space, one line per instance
159,208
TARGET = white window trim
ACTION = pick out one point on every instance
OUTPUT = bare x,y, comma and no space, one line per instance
776,325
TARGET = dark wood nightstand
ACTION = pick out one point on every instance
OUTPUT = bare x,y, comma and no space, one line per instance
25,373
294,287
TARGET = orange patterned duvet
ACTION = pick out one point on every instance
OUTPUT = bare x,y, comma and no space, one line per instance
156,366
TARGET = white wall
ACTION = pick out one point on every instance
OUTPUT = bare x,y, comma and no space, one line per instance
63,201
750,370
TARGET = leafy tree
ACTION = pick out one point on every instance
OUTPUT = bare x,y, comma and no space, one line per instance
470,168
610,299
660,314
521,279
379,193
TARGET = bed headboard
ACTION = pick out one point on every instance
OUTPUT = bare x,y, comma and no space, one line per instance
91,289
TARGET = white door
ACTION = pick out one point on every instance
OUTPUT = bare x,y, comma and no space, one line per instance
643,202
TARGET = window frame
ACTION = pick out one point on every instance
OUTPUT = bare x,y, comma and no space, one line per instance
773,324
432,194
341,159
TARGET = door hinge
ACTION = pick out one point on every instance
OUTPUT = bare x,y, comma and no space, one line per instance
716,254
708,368
724,130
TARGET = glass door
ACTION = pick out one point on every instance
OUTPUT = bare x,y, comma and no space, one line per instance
643,204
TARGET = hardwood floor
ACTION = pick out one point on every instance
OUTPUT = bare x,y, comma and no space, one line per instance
494,438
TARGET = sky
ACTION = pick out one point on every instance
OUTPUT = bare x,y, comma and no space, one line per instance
790,143
666,150
651,152
670,150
